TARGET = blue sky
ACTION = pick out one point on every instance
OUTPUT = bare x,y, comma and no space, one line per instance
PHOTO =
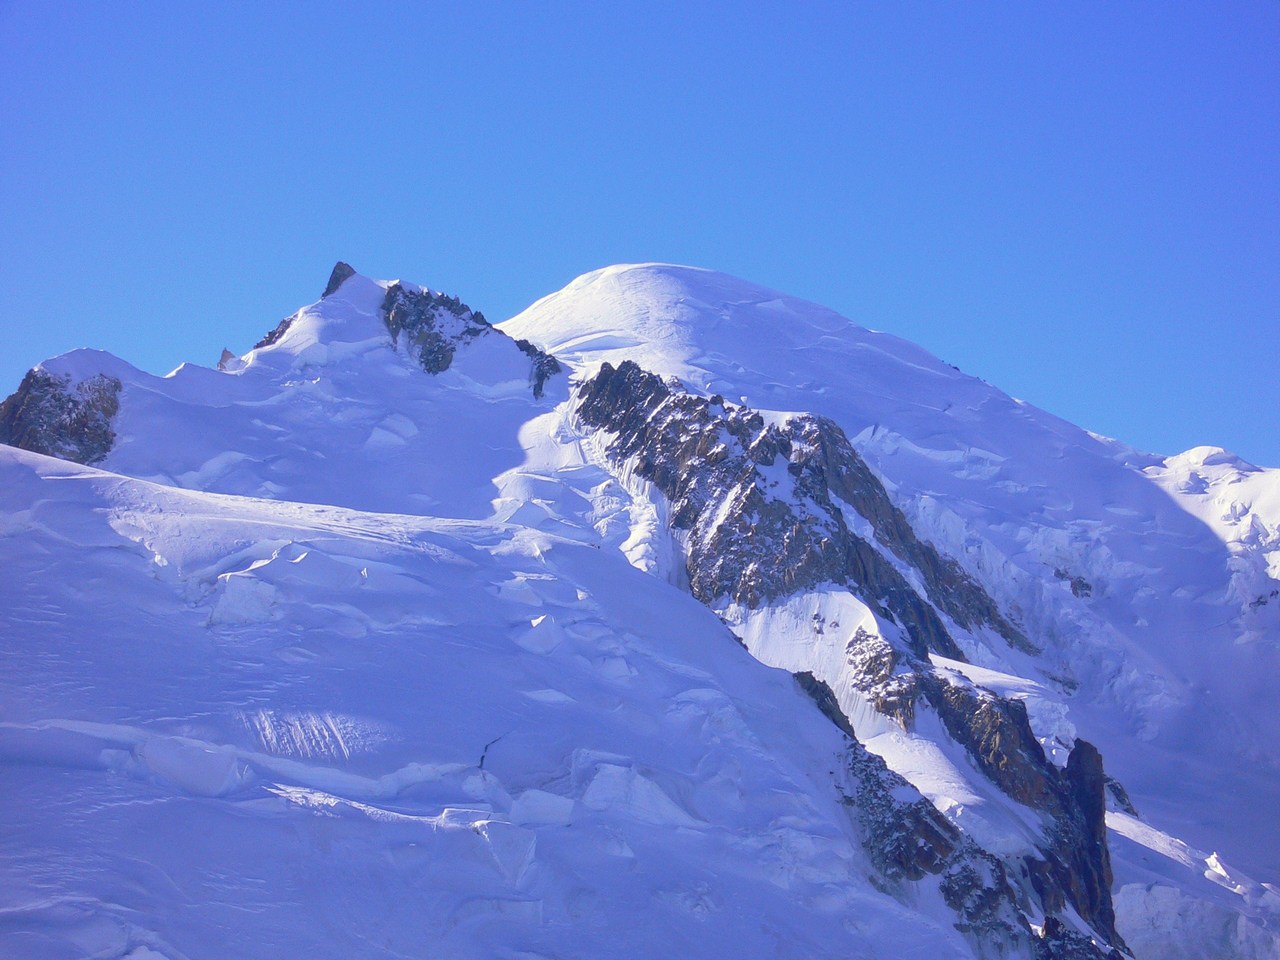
1077,202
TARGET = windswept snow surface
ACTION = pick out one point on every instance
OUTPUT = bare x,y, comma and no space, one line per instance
239,727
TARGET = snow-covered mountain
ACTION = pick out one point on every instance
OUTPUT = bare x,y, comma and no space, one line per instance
406,634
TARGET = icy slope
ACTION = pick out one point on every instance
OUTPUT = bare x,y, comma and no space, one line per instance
236,727
1240,503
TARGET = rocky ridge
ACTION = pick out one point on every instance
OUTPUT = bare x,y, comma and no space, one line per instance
909,841
72,417
756,471
767,509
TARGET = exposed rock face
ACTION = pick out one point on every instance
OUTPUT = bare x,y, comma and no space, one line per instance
1121,797
821,694
998,736
434,326
1080,587
873,659
1076,868
762,503
908,840
880,675
1059,943
832,463
1083,843
545,366
769,508
341,272
274,335
48,414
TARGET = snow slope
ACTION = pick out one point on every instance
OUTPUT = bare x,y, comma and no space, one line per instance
332,412
337,653
1145,583
240,727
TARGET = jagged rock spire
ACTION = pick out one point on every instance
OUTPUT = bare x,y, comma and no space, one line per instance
341,271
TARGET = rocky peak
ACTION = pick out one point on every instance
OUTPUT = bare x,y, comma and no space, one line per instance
433,325
341,272
228,362
1085,784
53,415
1075,866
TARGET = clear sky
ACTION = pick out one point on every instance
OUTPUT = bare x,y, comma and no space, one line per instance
1077,202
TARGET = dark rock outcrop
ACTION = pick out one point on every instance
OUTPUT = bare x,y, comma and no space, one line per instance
833,465
1121,797
880,674
341,273
48,414
1076,863
821,693
762,503
274,335
765,507
908,839
1082,839
1057,942
432,327
435,326
1080,587
997,735
545,366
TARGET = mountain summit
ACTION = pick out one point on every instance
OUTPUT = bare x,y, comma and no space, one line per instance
672,614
